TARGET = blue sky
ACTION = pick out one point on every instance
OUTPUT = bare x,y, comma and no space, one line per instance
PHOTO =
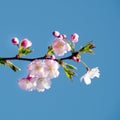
97,20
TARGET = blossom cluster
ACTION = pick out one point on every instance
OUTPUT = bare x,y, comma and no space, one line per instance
42,70
40,73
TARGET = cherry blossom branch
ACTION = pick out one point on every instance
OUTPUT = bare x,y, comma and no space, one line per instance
23,59
42,69
37,58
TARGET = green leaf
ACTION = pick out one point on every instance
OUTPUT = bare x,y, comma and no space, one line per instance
50,51
2,62
23,51
87,48
12,66
68,69
69,73
69,66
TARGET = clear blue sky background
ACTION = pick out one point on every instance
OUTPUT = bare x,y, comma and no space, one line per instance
97,20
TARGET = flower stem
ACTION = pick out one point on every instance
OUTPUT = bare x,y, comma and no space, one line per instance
86,66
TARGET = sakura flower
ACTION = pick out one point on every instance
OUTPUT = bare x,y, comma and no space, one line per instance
26,84
25,43
60,47
94,72
15,41
74,37
42,84
36,69
51,68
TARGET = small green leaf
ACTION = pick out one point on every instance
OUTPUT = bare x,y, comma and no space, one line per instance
50,51
68,69
22,51
12,66
87,48
69,66
69,73
2,62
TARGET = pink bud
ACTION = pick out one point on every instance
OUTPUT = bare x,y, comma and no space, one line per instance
74,37
78,60
52,57
74,58
56,33
25,43
64,36
15,41
60,36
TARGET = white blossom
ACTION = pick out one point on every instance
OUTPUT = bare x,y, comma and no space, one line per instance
26,84
41,84
51,69
36,69
60,47
94,72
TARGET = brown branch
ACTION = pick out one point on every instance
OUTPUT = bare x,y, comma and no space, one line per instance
44,57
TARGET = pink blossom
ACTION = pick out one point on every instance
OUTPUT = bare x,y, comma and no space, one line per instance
26,84
56,33
36,69
74,37
15,41
60,47
51,68
25,43
39,84
42,84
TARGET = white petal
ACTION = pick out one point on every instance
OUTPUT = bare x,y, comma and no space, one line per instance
47,84
87,80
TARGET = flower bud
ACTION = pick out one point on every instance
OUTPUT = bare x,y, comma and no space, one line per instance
52,57
25,43
15,41
56,33
74,37
74,58
64,36
78,60
60,37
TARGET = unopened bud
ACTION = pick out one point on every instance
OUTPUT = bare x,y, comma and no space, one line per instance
64,36
52,57
56,33
74,58
78,60
60,37
25,43
15,41
74,37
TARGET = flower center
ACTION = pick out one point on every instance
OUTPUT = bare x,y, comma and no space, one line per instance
37,67
59,46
